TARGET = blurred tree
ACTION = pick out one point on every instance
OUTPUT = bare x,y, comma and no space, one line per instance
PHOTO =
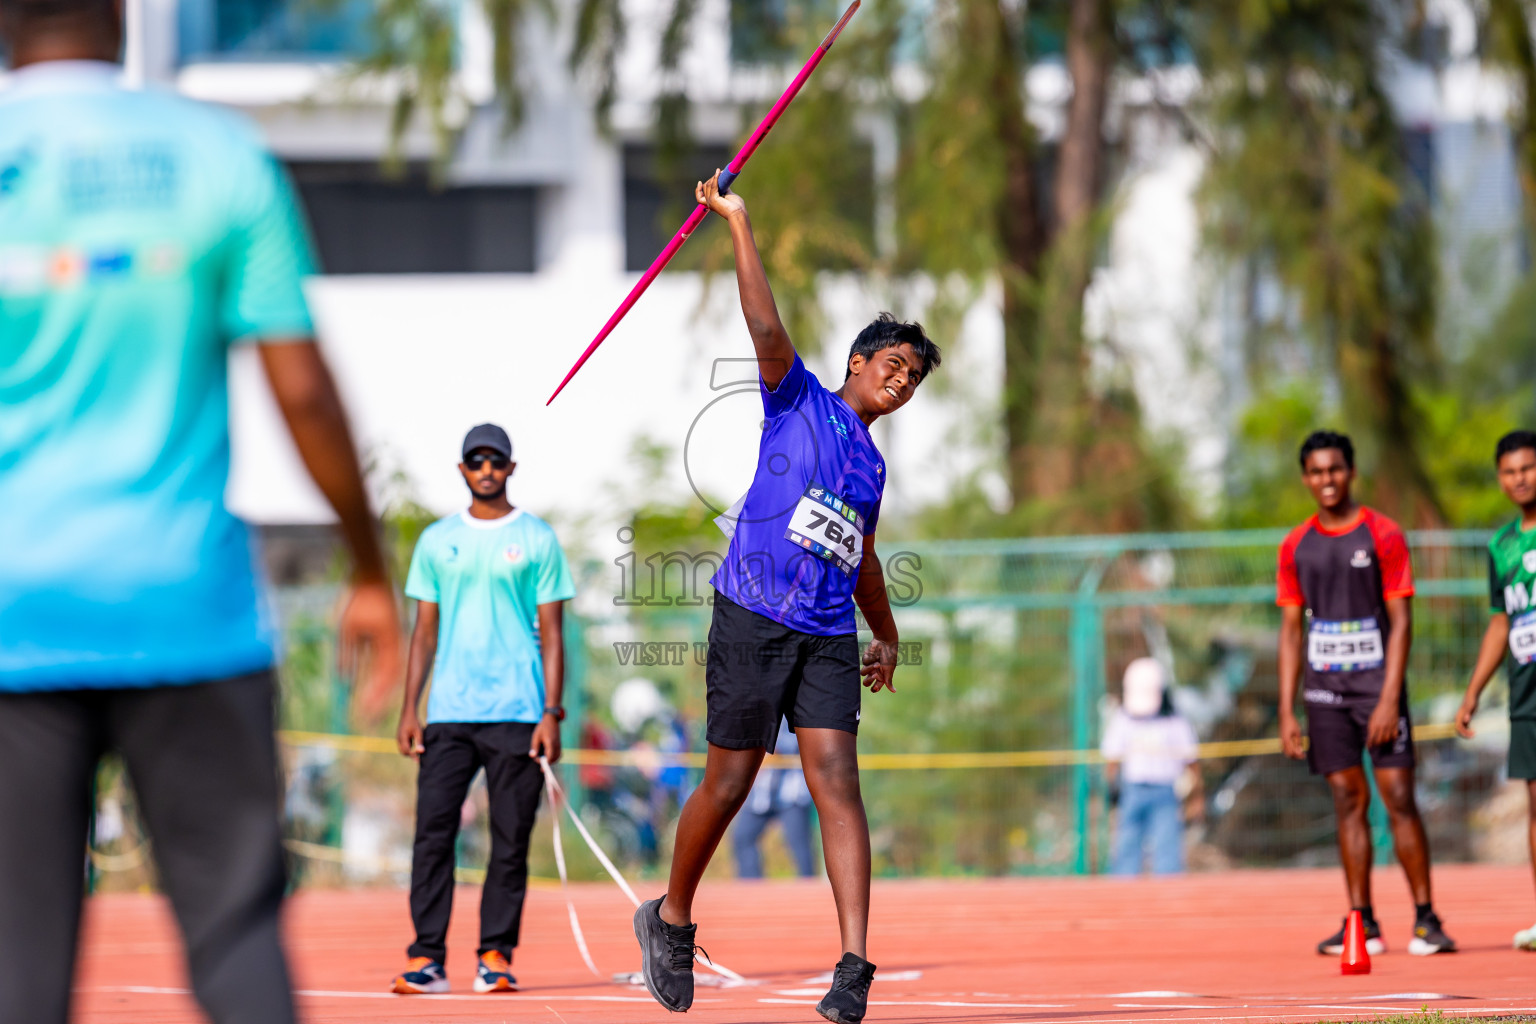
1308,179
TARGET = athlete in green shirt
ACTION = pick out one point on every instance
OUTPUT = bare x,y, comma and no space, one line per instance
1511,634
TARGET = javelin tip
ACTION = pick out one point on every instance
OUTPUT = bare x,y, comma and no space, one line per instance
826,44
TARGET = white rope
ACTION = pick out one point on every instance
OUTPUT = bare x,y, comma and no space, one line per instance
565,888
557,800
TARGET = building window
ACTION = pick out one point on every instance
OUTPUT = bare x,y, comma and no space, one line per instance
365,224
274,29
658,199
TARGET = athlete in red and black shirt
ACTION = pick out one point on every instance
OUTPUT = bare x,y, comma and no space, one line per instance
1345,589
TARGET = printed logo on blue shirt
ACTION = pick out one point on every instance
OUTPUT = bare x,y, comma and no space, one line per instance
110,262
513,553
12,167
839,426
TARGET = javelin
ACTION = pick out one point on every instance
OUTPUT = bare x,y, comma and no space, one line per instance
699,212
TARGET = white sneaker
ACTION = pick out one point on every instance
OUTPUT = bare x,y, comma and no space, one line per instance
1526,939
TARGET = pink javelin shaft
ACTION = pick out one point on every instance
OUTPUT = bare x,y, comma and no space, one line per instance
699,212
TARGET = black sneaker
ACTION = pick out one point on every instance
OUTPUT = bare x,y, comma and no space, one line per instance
666,957
1429,938
844,1003
1333,945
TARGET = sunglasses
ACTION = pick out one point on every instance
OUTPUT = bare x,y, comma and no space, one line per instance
496,461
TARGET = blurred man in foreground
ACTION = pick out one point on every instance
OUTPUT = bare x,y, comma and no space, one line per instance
140,236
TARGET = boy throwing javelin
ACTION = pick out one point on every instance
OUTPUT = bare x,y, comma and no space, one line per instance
1512,629
1345,593
782,641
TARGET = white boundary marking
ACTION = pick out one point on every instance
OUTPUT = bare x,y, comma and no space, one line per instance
160,990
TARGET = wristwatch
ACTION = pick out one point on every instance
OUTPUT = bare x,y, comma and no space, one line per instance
557,711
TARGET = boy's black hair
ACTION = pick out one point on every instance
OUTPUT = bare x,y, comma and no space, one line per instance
1321,439
1513,442
885,331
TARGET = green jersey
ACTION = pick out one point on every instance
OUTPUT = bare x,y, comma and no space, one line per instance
1512,590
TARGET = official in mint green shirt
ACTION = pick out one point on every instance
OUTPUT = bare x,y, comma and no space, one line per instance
491,584
488,578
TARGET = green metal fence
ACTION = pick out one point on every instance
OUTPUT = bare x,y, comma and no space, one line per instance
974,765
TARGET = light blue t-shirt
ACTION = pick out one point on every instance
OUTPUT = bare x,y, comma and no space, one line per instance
141,234
488,578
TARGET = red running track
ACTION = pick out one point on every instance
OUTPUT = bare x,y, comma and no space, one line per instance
1237,945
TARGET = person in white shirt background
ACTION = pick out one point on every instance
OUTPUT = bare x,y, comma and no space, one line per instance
1149,748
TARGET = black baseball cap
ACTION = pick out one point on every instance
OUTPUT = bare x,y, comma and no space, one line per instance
487,435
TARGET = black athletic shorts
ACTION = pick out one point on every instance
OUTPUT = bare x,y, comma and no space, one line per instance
1337,735
1522,748
759,671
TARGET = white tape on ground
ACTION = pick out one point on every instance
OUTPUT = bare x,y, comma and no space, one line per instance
557,800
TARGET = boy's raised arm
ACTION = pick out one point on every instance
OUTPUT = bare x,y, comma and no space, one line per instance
775,352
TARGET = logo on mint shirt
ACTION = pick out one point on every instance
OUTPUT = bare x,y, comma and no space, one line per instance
513,553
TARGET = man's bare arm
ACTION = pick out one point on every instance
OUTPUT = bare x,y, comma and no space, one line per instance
423,653
1289,658
775,351
307,397
1489,657
879,662
1386,720
546,735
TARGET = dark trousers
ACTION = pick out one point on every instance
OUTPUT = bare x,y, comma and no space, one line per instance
749,827
454,752
203,763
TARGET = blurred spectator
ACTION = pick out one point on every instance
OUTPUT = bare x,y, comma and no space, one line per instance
596,779
778,793
1149,749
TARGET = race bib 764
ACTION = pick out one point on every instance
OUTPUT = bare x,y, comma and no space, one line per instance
827,525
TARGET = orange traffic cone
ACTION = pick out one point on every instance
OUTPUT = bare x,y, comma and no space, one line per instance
1356,958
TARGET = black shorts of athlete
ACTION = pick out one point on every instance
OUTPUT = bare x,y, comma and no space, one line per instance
759,671
1522,748
1337,736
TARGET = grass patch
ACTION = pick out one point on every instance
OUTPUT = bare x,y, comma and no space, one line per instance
1427,1016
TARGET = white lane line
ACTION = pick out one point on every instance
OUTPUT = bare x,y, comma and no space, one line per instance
1155,994
947,1003
157,990
1256,1013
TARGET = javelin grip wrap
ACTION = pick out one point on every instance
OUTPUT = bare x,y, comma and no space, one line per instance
726,177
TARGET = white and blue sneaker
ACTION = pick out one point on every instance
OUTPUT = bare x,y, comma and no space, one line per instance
422,976
494,974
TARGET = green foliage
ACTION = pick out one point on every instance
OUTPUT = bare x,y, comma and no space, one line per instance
1264,487
600,34
1308,178
416,52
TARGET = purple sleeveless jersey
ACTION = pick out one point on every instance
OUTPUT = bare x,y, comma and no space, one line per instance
800,529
